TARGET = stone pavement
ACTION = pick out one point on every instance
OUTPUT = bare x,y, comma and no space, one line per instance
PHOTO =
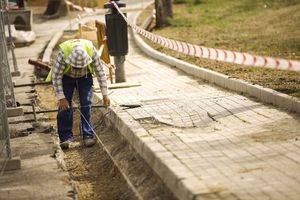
40,176
216,143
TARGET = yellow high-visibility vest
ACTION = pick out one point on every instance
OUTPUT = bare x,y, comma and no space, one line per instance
67,47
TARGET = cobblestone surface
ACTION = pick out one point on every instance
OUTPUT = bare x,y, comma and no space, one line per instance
232,147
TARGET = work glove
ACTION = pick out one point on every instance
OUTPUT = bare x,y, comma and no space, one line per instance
106,101
64,104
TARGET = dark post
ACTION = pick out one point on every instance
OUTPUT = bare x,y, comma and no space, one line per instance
117,37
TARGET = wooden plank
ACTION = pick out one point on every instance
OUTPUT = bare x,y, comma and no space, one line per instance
11,164
14,112
120,86
32,84
101,3
56,110
101,37
147,23
15,73
40,64
123,85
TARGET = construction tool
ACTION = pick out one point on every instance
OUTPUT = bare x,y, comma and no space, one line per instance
39,64
111,87
56,110
32,84
34,112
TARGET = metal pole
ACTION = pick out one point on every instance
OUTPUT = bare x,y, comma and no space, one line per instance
120,69
4,130
117,37
34,112
8,85
10,40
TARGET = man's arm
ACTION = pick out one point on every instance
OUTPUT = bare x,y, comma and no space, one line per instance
57,74
101,77
100,74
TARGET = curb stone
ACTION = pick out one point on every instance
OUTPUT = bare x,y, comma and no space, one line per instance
265,95
59,156
174,174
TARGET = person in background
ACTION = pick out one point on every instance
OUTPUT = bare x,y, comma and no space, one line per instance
76,63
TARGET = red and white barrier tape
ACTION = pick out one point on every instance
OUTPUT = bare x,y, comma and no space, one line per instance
83,9
215,54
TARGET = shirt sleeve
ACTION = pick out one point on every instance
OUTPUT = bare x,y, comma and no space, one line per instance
57,74
99,71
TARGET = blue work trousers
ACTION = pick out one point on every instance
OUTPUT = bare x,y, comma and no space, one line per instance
83,86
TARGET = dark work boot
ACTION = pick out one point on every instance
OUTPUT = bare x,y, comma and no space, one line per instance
89,142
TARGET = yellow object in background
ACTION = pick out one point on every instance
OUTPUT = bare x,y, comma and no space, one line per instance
102,43
101,3
101,37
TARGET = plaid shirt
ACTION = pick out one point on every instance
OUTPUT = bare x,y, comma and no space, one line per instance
60,65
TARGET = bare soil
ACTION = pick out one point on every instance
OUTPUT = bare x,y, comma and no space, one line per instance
288,131
91,170
95,175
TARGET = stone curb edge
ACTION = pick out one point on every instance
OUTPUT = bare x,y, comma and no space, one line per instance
264,95
176,175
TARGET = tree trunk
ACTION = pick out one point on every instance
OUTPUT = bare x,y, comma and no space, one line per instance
164,10
160,15
196,2
168,8
55,8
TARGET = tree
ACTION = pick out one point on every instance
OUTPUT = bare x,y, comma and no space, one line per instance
196,2
164,11
55,8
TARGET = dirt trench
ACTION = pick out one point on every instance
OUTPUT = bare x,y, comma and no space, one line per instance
98,172
111,169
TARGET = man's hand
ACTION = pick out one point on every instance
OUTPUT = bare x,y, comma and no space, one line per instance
64,104
106,101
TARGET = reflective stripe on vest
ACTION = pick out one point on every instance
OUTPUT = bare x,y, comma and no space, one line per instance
67,47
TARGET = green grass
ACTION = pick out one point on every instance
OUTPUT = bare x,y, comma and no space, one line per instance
261,27
251,25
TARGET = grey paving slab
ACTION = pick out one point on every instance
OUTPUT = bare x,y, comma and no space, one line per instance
39,176
225,145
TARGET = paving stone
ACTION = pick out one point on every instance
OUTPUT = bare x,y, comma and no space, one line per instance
238,147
